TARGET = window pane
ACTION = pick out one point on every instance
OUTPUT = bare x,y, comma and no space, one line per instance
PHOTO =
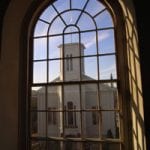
71,29
54,122
38,145
39,72
54,145
96,5
106,41
72,49
89,96
86,23
91,126
54,97
104,20
107,67
71,17
89,68
72,124
54,70
72,145
111,146
40,49
57,26
41,29
71,105
38,98
93,146
110,124
71,39
38,124
71,69
54,47
79,4
48,14
61,5
72,95
88,39
108,96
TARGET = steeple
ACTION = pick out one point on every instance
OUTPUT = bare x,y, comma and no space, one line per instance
111,78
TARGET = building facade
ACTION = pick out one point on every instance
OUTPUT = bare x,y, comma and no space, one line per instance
65,107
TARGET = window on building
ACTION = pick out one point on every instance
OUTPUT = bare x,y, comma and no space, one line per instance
71,63
95,115
74,67
52,118
70,115
67,63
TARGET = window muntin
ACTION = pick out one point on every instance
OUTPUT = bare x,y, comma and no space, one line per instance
72,29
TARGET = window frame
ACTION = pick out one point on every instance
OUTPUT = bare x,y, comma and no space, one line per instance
30,21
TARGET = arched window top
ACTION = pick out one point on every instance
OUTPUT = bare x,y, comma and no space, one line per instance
86,15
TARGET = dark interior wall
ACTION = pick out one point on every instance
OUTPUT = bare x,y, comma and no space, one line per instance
3,6
142,25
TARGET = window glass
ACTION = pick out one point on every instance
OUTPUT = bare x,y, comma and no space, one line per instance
94,7
71,17
48,14
74,92
39,72
71,39
86,22
91,130
38,124
41,29
88,39
38,99
61,5
54,70
54,47
107,67
57,27
78,4
106,41
87,72
89,95
53,97
110,124
40,48
104,20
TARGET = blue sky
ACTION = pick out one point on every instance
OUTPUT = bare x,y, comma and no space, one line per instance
105,38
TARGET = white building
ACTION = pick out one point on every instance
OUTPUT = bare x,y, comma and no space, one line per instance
73,110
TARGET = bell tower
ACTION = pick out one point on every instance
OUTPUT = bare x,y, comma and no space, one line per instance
72,63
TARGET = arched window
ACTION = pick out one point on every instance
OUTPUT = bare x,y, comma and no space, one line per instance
74,63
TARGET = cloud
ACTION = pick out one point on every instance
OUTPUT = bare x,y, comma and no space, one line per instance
102,37
105,73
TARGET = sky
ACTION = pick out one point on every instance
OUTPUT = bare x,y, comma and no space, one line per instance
105,38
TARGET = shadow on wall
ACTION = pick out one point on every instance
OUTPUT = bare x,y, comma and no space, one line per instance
136,95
